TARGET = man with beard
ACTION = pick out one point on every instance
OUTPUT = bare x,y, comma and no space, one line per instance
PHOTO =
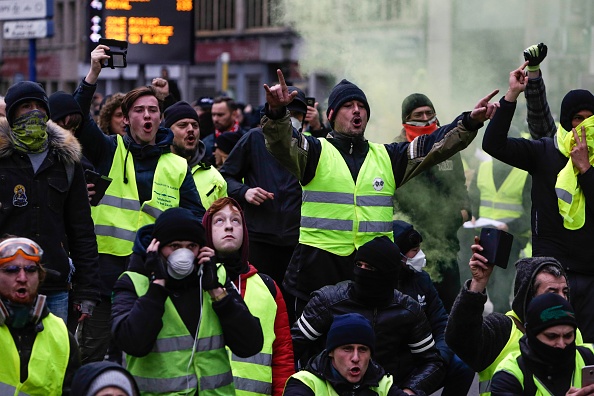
224,113
184,122
39,356
548,361
349,183
405,345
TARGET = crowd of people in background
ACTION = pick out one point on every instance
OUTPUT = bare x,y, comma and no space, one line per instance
153,246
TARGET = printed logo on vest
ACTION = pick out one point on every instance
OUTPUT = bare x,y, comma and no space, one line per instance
378,184
20,198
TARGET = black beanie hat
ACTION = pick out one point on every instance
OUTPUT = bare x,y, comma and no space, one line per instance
22,91
227,140
178,224
62,104
405,236
178,111
298,104
575,101
548,310
381,253
343,92
412,102
351,328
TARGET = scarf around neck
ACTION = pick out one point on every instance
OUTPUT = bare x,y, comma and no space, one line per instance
570,196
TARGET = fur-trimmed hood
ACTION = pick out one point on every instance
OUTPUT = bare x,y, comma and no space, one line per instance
63,143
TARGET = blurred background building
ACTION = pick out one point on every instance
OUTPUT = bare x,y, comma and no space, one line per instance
449,49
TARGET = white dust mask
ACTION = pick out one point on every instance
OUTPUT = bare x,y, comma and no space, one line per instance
418,262
180,263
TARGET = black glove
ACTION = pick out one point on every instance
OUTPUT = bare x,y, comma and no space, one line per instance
155,266
210,280
535,54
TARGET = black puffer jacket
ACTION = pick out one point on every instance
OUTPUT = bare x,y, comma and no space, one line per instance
401,329
51,210
321,366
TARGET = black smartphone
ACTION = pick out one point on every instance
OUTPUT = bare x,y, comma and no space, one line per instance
310,101
117,53
101,183
496,246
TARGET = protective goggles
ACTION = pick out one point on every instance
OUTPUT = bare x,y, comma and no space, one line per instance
22,246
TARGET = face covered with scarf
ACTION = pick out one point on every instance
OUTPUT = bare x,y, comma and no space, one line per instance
377,264
29,127
418,116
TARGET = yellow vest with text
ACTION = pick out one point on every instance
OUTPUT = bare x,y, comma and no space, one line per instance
504,204
253,375
210,183
47,364
339,215
510,365
321,387
171,368
119,213
512,346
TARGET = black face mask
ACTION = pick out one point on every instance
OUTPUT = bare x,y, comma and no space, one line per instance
374,287
553,356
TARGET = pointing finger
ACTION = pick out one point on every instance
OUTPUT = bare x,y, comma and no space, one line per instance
491,95
281,78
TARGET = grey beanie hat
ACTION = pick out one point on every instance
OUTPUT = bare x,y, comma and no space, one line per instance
112,378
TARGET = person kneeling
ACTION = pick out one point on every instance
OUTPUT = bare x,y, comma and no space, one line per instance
345,366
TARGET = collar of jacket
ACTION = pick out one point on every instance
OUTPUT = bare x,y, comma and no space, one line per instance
61,142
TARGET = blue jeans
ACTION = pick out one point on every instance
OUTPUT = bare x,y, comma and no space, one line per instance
57,302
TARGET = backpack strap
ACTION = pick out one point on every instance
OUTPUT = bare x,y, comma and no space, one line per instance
587,355
269,284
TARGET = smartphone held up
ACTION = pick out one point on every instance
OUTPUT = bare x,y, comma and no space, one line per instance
117,53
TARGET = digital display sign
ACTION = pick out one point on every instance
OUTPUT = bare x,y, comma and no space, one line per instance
157,31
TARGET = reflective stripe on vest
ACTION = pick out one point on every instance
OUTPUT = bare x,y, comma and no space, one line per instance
119,213
210,183
253,375
511,346
322,387
47,364
504,204
165,369
339,215
511,366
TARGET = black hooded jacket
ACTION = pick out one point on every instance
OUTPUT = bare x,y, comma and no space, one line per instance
51,208
478,340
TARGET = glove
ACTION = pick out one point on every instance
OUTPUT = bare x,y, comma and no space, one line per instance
210,280
86,307
535,54
155,266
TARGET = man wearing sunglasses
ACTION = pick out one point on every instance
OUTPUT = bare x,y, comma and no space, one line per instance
39,355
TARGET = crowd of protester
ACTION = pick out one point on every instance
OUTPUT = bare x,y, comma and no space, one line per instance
152,246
